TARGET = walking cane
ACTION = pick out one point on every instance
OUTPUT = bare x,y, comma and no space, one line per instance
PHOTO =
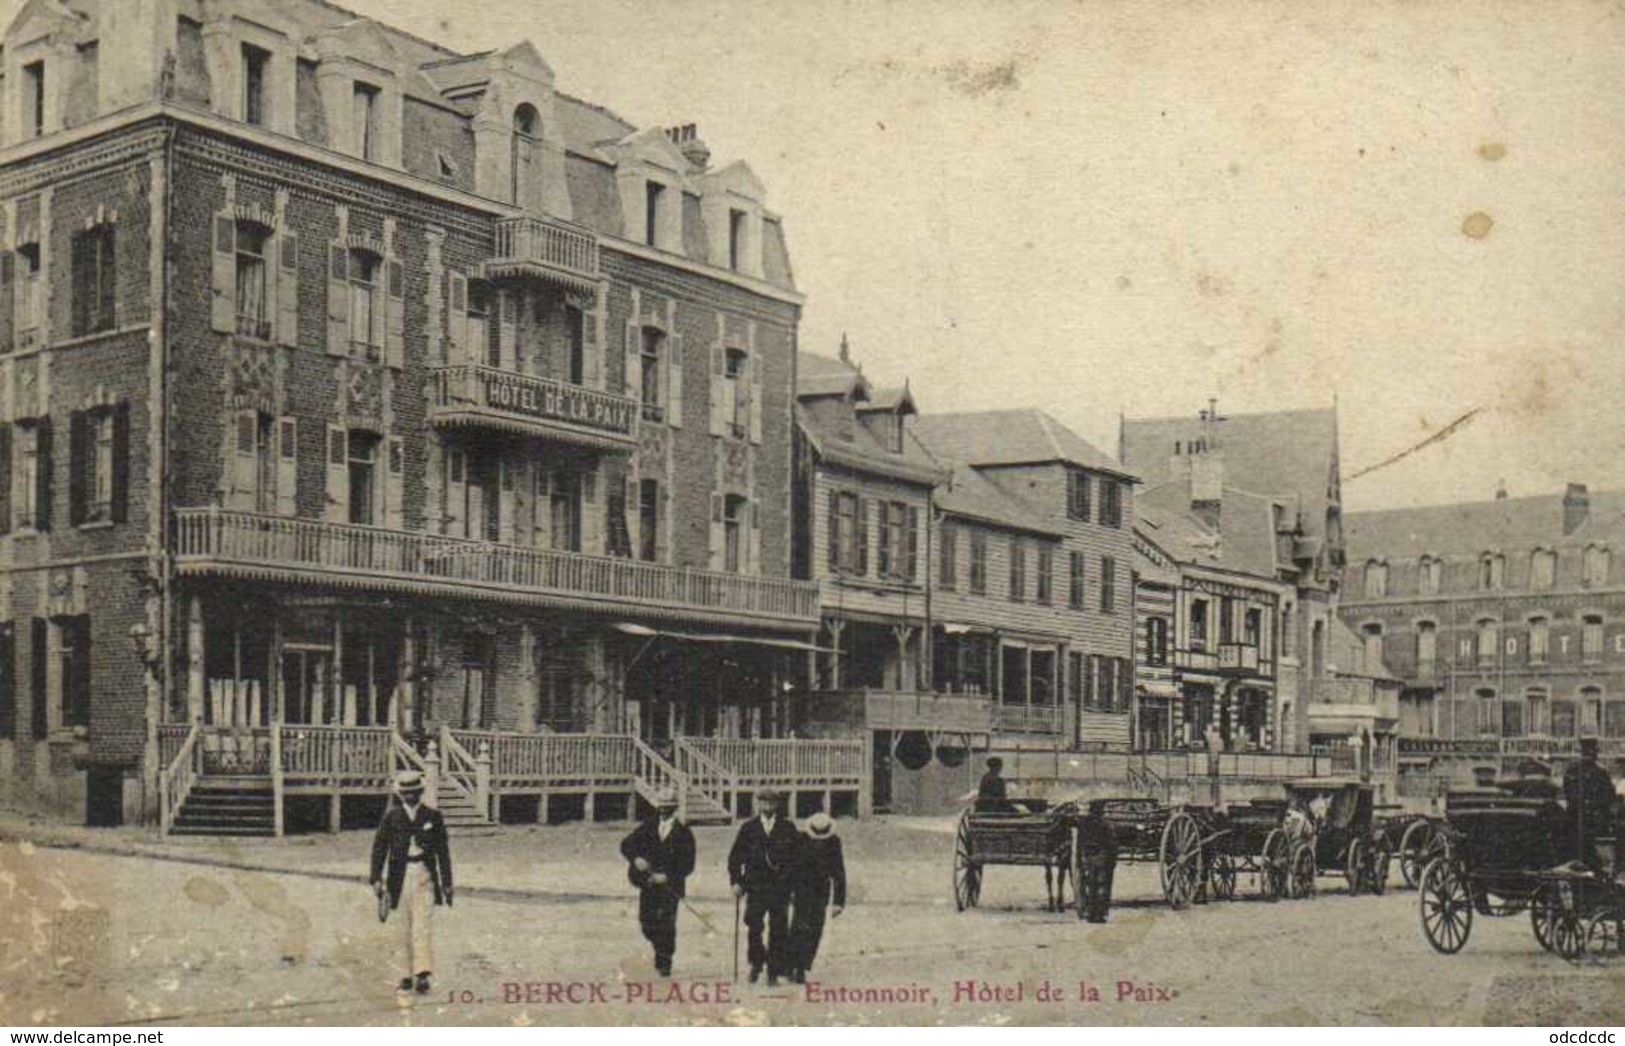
736,938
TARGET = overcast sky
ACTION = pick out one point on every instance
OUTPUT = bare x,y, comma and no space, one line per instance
1094,208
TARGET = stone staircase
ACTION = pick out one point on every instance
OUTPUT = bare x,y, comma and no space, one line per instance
226,805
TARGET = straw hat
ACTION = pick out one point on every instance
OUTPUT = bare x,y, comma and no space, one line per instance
819,825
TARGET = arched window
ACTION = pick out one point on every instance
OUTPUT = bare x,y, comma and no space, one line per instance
733,527
1492,570
1590,711
1591,637
1427,647
525,127
1488,717
1376,579
1596,565
1539,640
1542,568
1487,634
1430,575
1373,648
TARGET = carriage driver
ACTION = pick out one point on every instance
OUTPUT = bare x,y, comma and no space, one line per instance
1591,801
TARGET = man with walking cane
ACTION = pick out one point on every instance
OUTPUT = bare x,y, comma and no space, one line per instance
660,852
761,869
412,841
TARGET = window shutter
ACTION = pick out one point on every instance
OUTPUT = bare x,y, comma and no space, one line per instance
287,289
634,362
338,475
911,544
862,543
394,480
456,490
5,479
506,502
718,533
39,651
42,516
883,558
120,507
394,313
457,351
832,525
754,365
755,538
542,510
287,467
338,301
632,513
674,371
719,422
107,279
592,520
8,302
76,467
507,329
223,311
245,465
8,680
79,696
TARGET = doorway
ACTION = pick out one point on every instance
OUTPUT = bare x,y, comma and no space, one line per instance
307,672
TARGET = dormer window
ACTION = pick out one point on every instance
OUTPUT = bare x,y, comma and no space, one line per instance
364,120
1491,571
255,62
522,152
736,237
1542,568
34,88
894,433
654,198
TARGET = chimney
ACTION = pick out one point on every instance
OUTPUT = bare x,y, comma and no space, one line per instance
1576,507
687,140
1207,468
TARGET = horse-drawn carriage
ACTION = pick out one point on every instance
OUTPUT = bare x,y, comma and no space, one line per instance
1251,838
1345,836
1503,854
1078,840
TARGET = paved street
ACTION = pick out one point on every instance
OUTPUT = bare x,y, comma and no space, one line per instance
129,938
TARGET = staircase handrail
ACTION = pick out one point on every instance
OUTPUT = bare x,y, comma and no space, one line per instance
650,766
700,769
459,768
175,780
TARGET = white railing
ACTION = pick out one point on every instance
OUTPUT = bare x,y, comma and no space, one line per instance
467,773
655,775
707,775
538,241
1029,719
537,759
175,780
331,755
526,398
792,762
217,538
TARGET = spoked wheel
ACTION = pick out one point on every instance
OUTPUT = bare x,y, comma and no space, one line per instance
1181,856
1300,882
1413,851
1605,934
1221,876
967,874
1354,865
1272,866
1447,907
1567,931
1541,916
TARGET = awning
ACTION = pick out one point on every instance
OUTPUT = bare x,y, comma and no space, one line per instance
644,632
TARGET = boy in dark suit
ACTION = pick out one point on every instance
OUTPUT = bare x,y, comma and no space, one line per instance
821,882
761,868
661,854
412,842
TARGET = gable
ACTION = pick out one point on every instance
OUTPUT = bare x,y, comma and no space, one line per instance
41,18
522,59
739,179
650,147
362,40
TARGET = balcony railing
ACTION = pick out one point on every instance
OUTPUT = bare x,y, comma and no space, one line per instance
212,540
799,762
547,250
473,394
1029,719
1238,657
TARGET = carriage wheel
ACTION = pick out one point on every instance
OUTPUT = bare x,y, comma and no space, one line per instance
1221,876
1413,847
1354,865
1565,929
1272,866
1541,916
1380,860
1605,935
1181,854
1447,906
1301,872
967,875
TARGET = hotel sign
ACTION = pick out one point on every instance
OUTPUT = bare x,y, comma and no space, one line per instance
554,401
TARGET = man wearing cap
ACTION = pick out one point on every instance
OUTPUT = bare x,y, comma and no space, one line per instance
821,877
411,841
761,868
1591,801
661,854
992,792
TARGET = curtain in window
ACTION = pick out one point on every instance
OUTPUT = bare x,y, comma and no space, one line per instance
250,288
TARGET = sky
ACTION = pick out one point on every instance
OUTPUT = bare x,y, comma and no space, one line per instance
1108,208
